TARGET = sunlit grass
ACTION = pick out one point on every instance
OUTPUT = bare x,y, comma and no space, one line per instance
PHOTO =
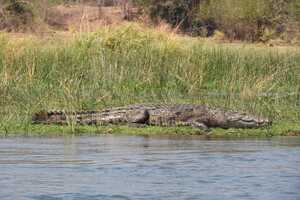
132,64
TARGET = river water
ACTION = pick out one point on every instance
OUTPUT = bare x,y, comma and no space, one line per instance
149,168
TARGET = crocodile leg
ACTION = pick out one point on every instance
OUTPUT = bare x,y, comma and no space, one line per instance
200,125
138,118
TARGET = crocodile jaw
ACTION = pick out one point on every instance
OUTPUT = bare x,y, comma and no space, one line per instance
248,121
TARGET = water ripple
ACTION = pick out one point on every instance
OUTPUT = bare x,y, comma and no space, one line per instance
139,168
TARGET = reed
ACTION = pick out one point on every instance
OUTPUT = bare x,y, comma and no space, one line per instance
134,64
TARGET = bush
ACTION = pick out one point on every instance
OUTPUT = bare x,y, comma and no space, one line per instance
17,14
178,13
251,20
18,7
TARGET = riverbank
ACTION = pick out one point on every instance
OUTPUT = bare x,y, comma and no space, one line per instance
130,64
280,129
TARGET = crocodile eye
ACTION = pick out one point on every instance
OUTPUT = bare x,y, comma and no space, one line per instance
234,118
178,113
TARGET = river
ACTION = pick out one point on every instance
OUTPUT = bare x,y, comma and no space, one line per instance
149,168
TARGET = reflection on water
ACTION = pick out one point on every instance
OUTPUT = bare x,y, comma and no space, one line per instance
128,167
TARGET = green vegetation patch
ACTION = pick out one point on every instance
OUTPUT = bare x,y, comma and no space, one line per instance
281,129
132,64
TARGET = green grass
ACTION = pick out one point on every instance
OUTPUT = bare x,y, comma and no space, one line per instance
281,129
131,64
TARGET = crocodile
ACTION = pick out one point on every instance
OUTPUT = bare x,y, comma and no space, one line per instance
198,116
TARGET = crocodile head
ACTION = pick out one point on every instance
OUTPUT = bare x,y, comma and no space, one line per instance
233,119
244,120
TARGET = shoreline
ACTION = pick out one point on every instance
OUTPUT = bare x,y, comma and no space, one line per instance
278,129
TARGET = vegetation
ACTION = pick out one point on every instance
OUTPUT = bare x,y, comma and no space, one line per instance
282,129
248,20
132,64
16,14
251,20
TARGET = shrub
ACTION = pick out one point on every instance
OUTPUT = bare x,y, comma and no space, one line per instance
251,20
179,13
17,14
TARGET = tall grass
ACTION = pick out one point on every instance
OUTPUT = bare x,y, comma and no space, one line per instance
131,64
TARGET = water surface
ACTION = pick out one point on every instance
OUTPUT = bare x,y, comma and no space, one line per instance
145,168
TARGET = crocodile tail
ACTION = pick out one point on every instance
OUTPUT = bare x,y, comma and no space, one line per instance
49,117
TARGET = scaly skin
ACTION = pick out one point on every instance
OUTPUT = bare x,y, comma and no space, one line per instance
199,116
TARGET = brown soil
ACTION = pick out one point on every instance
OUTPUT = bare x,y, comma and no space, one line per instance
293,133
